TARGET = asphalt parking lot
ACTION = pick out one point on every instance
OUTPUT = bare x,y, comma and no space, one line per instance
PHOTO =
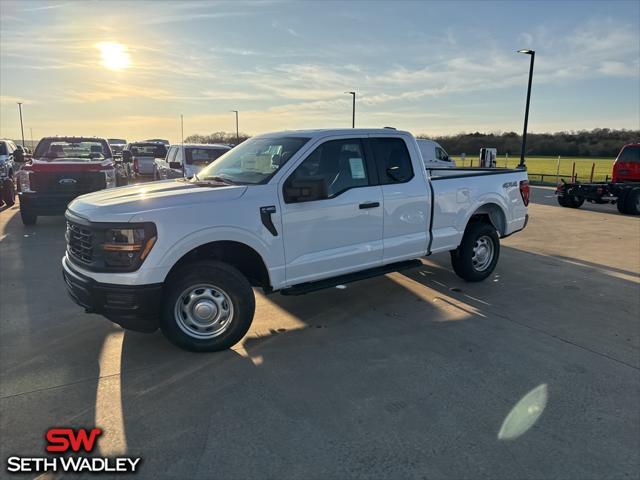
534,373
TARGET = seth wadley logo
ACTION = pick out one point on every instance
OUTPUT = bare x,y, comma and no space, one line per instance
68,441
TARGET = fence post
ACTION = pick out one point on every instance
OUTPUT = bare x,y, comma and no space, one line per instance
558,170
593,166
573,172
506,160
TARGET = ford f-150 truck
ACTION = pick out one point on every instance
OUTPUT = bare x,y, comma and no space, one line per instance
292,212
61,169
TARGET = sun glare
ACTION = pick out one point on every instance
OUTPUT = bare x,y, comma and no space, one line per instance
114,55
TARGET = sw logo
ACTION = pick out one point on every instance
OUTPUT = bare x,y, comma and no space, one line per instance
68,441
63,439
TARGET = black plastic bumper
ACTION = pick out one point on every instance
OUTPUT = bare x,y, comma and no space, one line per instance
135,307
45,204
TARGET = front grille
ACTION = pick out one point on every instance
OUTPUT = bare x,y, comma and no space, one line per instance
72,183
79,242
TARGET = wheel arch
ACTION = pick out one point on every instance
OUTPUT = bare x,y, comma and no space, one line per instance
490,213
238,254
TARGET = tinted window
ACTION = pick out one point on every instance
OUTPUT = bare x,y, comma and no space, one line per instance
338,165
393,160
204,156
442,155
630,154
156,150
3,148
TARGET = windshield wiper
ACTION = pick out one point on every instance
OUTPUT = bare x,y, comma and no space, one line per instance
217,178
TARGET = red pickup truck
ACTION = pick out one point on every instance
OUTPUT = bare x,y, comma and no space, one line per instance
61,169
623,190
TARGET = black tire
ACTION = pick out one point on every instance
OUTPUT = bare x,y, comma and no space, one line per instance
197,276
28,217
632,202
8,192
573,201
562,201
621,203
462,259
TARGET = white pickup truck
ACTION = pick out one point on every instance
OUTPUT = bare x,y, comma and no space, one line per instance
293,212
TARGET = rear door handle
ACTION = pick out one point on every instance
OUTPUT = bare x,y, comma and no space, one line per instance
369,205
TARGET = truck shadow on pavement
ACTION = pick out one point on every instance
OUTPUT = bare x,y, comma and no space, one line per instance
407,375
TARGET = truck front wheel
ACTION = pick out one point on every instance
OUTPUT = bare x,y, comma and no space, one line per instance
208,307
28,217
8,192
478,253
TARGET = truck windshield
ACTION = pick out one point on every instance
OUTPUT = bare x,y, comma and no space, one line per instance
55,149
253,161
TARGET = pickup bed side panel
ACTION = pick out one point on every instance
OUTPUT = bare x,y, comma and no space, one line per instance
457,199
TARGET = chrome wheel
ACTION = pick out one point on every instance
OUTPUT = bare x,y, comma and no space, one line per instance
203,311
483,252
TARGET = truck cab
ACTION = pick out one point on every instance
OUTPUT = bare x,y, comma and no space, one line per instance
626,167
433,154
187,160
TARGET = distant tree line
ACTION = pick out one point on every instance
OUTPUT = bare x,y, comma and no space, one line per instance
217,137
600,142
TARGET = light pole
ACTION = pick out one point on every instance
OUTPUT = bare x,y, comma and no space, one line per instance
237,131
21,126
532,54
353,112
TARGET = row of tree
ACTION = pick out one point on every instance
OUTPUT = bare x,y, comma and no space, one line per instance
600,142
217,137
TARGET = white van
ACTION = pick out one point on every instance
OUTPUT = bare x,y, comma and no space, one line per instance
433,155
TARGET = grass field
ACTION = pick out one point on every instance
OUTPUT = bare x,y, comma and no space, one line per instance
547,166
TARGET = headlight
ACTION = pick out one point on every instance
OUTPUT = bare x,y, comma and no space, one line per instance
24,180
110,178
128,247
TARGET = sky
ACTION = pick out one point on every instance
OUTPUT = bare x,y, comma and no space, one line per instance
130,69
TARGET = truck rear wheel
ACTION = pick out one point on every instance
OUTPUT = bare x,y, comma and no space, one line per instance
28,217
621,203
478,253
632,202
208,307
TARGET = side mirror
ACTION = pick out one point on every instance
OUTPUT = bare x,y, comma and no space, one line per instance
126,156
176,165
18,156
305,190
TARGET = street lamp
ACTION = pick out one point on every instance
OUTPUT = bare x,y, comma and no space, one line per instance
21,126
353,113
237,131
531,53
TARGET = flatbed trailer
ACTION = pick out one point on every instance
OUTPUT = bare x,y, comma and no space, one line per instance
625,195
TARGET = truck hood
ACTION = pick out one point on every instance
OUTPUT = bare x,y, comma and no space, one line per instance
123,203
69,165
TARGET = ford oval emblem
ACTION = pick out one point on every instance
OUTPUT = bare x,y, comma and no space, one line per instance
67,181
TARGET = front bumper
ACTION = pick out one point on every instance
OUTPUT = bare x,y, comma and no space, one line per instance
135,307
45,204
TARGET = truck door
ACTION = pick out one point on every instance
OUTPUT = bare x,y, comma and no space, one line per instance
407,200
332,213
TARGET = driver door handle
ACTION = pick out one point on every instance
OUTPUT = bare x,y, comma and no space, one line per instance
369,205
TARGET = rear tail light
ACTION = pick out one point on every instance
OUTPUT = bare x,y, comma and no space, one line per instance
524,191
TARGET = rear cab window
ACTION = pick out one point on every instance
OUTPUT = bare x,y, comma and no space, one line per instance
630,153
393,160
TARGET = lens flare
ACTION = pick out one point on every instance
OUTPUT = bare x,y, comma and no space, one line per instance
114,56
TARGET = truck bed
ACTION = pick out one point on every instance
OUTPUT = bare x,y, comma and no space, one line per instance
462,192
